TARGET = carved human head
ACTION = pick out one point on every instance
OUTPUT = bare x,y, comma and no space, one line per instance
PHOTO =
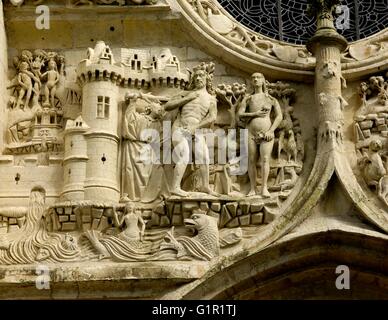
129,208
52,65
202,76
258,80
23,66
199,79
155,110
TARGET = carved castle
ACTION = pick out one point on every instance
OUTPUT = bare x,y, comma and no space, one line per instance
92,140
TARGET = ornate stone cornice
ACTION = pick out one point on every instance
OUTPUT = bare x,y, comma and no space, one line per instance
18,3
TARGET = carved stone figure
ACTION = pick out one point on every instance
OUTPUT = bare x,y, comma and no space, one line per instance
24,80
197,110
142,114
372,164
129,239
29,116
128,245
256,110
51,85
131,231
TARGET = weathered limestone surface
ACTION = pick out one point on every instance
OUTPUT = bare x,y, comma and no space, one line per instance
164,151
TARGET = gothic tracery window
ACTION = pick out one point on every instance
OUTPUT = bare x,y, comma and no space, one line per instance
287,20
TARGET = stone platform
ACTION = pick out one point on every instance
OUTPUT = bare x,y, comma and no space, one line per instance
230,211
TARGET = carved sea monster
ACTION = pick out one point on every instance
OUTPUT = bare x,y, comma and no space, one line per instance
203,246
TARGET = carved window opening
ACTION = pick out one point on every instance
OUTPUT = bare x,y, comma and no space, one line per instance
103,105
154,63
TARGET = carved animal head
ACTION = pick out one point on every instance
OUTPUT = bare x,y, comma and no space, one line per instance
200,222
330,69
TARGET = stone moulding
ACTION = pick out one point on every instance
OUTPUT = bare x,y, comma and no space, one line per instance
278,60
87,3
325,163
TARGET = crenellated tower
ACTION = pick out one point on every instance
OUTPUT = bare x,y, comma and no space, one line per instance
99,78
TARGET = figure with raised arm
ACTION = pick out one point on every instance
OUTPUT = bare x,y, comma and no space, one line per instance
197,110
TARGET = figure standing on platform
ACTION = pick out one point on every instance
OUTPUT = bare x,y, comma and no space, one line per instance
256,110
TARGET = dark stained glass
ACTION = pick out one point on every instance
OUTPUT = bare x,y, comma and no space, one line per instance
287,20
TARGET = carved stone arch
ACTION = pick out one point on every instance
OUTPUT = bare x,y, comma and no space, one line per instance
368,204
287,268
281,60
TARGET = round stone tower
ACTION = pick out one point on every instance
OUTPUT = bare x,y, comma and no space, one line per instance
75,160
99,78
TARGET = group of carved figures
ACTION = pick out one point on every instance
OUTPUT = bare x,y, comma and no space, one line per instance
266,115
197,108
371,130
126,242
36,72
37,89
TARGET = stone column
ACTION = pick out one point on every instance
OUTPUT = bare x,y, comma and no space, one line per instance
327,45
3,78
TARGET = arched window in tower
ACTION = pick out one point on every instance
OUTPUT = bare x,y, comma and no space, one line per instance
103,105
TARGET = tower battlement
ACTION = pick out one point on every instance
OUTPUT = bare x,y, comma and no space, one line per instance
136,68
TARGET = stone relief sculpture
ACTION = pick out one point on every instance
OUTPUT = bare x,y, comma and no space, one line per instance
139,117
35,107
31,242
86,152
211,13
51,85
203,246
130,246
371,134
156,204
90,2
232,95
114,2
255,110
199,97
